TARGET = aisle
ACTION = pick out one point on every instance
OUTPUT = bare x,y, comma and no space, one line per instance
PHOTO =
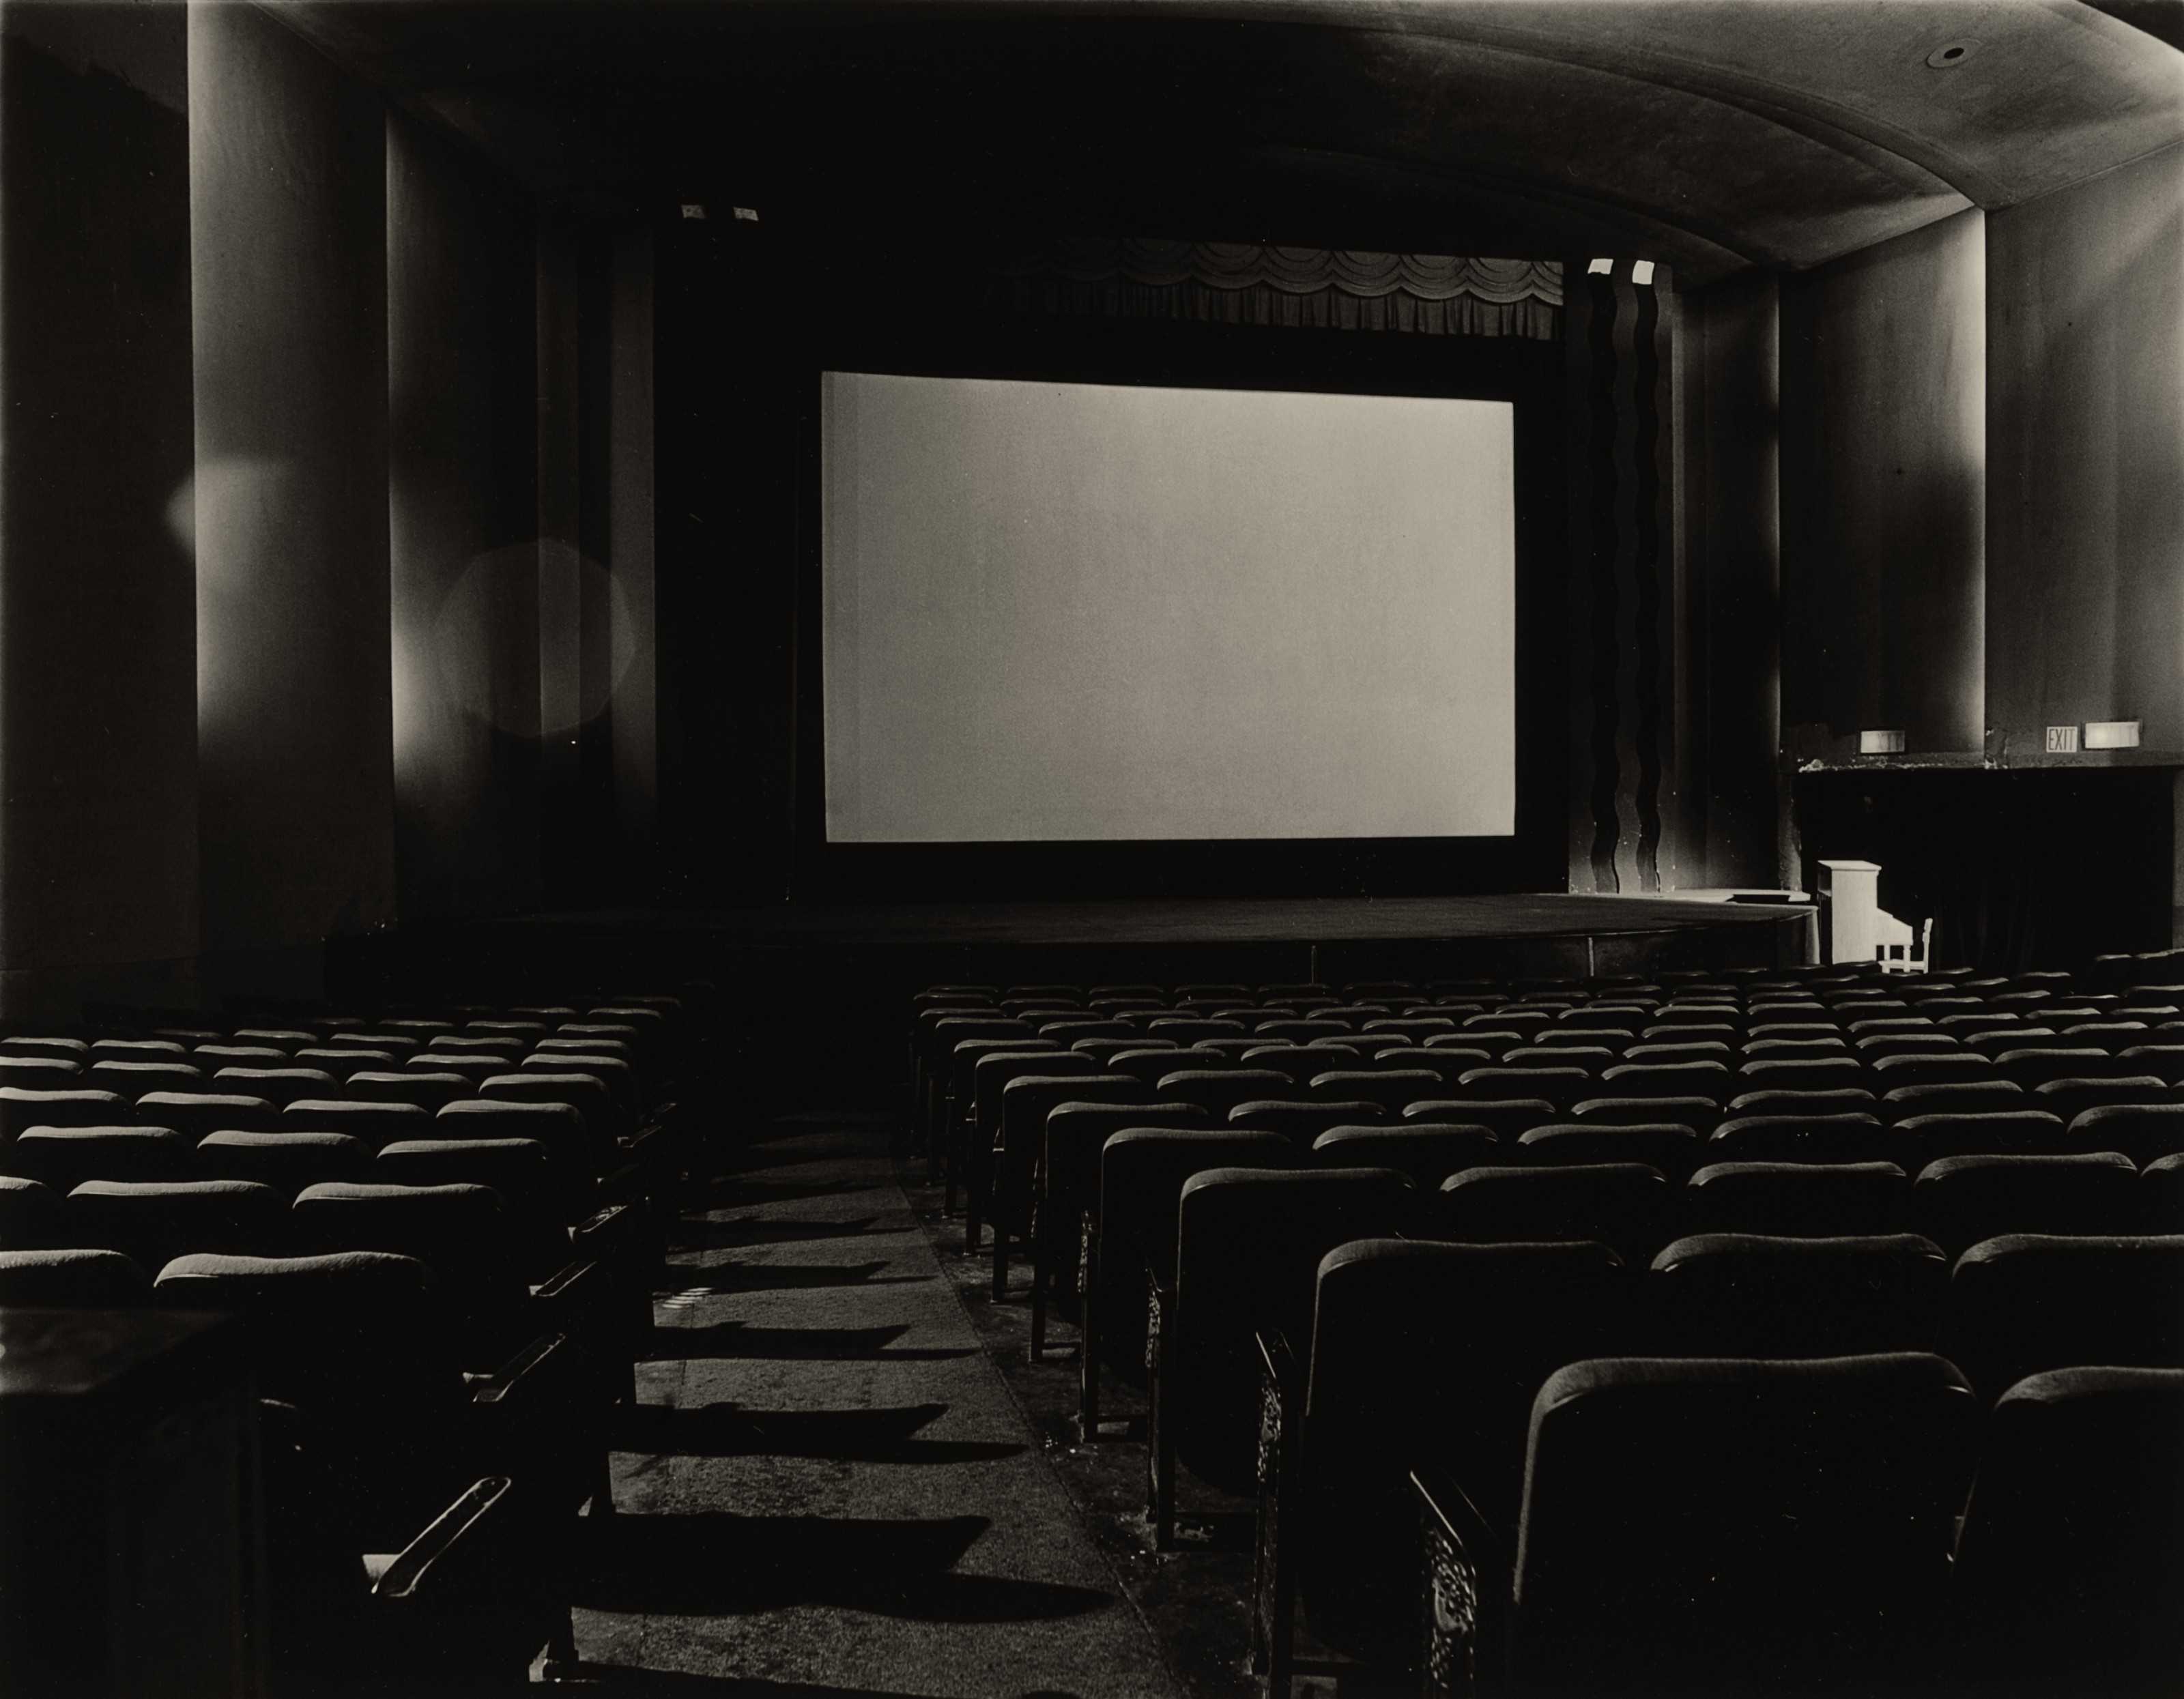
829,1488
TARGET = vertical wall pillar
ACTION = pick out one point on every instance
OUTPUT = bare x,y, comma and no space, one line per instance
635,708
1728,358
288,232
463,513
1623,601
98,820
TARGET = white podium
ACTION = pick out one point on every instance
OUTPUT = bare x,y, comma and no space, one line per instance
1857,928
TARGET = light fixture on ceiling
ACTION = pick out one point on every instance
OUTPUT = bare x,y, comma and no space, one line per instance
1950,55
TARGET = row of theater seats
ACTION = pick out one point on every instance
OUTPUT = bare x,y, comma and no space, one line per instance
1811,1297
441,1228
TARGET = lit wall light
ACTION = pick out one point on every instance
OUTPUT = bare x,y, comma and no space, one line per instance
1880,743
1641,271
2111,734
1600,268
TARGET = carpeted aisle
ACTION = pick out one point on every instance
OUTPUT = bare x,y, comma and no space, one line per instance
828,1487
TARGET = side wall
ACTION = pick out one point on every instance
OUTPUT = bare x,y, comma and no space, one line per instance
288,229
98,780
2085,323
1883,492
291,599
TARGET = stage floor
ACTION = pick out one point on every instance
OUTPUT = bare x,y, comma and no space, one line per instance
1205,920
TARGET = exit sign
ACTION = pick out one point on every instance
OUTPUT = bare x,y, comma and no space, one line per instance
2062,740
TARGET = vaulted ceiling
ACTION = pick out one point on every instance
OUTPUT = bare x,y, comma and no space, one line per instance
1711,135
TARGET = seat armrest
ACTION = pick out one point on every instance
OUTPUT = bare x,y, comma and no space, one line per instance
604,1225
471,1602
575,1282
1273,1570
1463,1588
409,1573
531,1370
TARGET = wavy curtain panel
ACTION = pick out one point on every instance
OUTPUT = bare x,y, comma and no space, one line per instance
1249,283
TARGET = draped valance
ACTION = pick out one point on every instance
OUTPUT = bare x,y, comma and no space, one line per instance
1253,283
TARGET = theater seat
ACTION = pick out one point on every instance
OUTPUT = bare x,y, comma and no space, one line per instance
286,1162
73,1281
1427,1151
196,1113
2072,1558
1417,1349
1960,1201
1622,1204
155,1223
1672,1148
1069,1189
356,1346
64,1157
30,1218
1721,1528
374,1123
1142,1173
21,1106
2025,1303
1755,1296
1248,1246
1797,1199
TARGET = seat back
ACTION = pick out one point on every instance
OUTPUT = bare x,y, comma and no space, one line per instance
1427,1151
1302,1122
22,1106
1757,1295
1851,1137
1218,1090
1959,1201
1425,1351
1026,1101
2145,1132
1142,1172
2072,1559
286,1162
1734,1526
196,1113
155,1222
2025,1303
461,1232
73,1281
63,1157
1248,1246
1989,1133
1508,1117
1797,1199
1623,1205
31,1215
1076,1131
1669,1146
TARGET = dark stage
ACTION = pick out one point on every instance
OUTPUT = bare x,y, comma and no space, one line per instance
895,948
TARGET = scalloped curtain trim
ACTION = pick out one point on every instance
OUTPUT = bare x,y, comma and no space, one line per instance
1248,283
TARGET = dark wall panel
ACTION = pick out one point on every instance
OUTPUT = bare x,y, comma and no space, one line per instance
635,715
1728,352
463,512
1626,822
288,229
1883,479
98,646
2085,471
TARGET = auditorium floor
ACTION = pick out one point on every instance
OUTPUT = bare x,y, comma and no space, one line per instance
837,1482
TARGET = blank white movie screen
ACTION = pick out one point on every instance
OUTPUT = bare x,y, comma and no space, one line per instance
1068,611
